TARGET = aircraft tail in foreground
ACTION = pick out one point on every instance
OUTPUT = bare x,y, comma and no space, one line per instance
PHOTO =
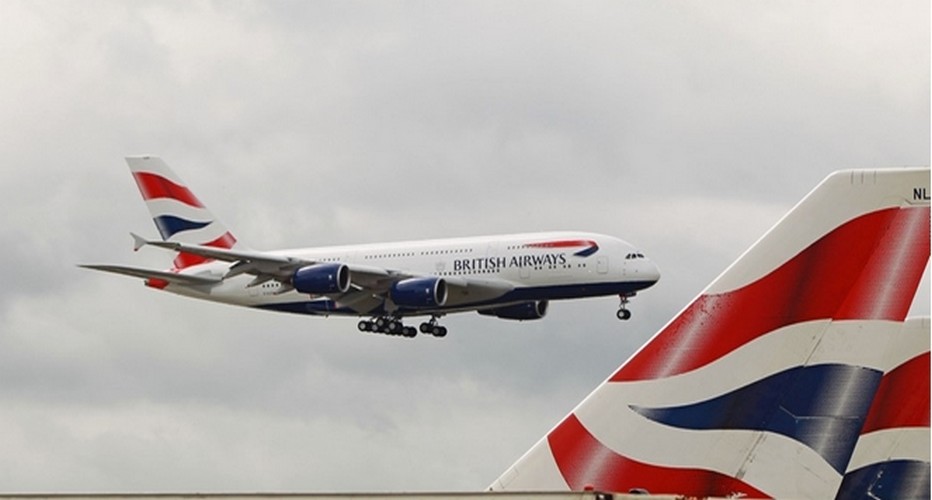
891,458
766,382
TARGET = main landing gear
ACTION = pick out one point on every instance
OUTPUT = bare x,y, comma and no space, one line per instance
431,327
391,325
623,313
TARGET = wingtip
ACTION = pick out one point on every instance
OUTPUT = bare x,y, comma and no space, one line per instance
138,242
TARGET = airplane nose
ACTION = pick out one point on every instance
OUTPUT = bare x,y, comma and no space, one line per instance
651,271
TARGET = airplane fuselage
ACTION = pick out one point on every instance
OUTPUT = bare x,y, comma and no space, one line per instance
522,267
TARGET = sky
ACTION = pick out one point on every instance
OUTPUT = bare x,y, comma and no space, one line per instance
686,128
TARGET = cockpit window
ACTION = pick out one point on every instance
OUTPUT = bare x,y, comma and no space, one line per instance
637,255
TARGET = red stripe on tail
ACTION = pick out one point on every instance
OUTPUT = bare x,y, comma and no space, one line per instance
840,276
154,186
584,461
902,400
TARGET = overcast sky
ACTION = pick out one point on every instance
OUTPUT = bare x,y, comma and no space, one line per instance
687,128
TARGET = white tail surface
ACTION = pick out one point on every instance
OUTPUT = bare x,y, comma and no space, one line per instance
761,385
178,214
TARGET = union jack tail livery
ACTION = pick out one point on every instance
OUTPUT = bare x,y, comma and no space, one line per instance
178,214
792,375
891,458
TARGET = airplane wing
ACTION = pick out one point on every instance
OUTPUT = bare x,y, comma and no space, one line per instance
267,266
181,279
370,285
245,262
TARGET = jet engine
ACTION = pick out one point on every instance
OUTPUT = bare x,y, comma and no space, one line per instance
322,278
535,309
420,292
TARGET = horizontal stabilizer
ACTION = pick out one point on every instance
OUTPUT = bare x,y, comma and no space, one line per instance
180,279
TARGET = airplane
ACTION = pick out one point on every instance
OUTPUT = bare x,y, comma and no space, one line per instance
510,276
794,374
891,457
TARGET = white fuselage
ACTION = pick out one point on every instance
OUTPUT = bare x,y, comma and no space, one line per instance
535,266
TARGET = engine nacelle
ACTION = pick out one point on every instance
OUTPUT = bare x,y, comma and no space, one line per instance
420,292
526,310
320,279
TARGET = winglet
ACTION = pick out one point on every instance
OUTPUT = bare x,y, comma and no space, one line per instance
138,242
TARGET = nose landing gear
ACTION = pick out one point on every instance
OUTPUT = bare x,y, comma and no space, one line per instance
623,313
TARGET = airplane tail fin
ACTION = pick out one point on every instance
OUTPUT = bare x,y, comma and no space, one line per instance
762,384
891,458
178,214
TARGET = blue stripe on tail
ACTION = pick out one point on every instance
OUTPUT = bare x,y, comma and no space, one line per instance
821,406
169,225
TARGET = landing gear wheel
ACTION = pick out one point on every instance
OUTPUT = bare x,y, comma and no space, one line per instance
432,328
623,312
393,325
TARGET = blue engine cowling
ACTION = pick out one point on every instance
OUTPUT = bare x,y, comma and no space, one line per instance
420,292
322,278
526,310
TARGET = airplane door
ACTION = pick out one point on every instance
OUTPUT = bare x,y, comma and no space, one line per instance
601,265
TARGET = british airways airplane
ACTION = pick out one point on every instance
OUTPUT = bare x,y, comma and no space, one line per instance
510,276
795,374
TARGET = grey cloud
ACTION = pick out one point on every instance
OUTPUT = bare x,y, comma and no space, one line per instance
687,129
